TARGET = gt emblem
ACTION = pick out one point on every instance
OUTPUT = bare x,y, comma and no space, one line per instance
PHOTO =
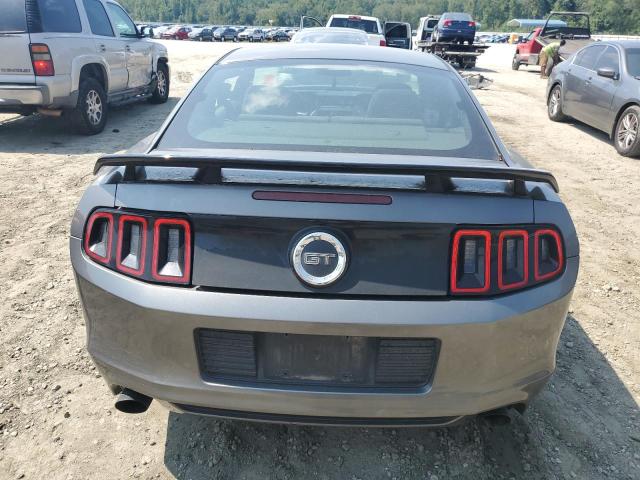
313,258
319,259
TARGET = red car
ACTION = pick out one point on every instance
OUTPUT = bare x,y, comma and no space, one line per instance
528,51
177,33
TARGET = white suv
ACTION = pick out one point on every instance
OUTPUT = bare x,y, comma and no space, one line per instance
75,57
370,25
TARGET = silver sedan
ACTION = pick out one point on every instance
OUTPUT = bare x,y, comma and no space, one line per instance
600,86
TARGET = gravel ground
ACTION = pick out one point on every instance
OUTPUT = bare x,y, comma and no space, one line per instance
57,419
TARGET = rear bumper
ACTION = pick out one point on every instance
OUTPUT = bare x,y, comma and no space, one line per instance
21,95
50,92
494,352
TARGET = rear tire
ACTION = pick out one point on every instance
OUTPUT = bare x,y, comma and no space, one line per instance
89,117
626,136
161,92
554,105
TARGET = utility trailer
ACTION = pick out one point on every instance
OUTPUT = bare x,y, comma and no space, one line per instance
461,54
576,32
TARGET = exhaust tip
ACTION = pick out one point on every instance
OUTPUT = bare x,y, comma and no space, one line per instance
130,401
499,417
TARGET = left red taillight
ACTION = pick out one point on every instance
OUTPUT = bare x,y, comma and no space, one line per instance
98,237
383,43
41,60
491,261
148,247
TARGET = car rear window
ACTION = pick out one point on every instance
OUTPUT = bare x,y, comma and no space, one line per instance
458,17
331,106
633,61
398,31
369,26
13,17
59,16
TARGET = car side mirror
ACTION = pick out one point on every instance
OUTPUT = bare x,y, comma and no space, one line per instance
608,73
141,33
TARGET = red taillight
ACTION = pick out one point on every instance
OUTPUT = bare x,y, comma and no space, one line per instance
98,237
548,256
171,250
448,23
472,24
121,241
132,244
493,260
41,60
513,259
383,43
471,262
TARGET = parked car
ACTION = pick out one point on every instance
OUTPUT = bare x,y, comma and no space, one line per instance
177,33
356,269
251,35
108,62
370,25
158,31
331,35
278,36
599,86
455,27
204,34
225,34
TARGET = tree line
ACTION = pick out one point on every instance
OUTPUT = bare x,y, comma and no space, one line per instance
607,16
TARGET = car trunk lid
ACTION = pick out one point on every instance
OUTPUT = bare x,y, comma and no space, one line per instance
396,233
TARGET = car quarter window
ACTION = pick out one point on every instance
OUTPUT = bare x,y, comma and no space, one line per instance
609,59
633,61
59,16
98,18
124,25
588,57
331,106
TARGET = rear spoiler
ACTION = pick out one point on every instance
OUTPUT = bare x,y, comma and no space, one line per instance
438,177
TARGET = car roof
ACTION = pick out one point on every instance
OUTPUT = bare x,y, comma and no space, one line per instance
334,52
333,30
360,17
623,43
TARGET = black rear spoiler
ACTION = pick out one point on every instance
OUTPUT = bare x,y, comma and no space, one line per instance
438,177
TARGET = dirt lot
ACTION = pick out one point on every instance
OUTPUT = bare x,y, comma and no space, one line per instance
57,419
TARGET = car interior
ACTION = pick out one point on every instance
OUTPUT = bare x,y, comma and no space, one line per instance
331,106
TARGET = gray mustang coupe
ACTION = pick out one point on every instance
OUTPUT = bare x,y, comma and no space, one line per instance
325,234
600,86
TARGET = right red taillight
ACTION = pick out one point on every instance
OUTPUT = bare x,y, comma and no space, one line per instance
148,247
490,261
41,60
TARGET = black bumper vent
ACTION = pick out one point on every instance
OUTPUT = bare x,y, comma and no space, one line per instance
405,361
323,361
227,353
